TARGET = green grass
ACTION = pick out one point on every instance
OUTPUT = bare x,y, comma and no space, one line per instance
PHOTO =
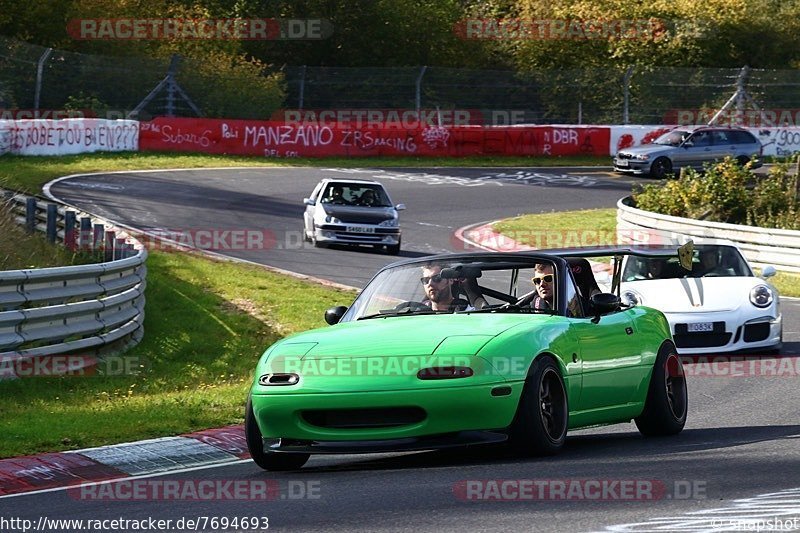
206,324
592,227
28,174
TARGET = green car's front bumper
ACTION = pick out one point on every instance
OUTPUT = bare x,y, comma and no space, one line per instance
356,417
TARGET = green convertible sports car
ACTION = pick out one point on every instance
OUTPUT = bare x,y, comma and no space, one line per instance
461,349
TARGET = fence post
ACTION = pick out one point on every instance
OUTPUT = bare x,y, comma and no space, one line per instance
39,73
97,238
302,87
52,218
108,252
69,230
119,248
86,233
418,98
626,96
741,94
30,214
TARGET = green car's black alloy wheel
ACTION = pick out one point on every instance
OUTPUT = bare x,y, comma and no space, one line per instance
667,397
540,426
255,445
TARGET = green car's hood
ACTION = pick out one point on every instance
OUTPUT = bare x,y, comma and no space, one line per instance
448,334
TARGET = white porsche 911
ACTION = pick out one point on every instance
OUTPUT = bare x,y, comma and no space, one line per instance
718,306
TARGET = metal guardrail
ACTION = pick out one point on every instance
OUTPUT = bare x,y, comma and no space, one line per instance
761,246
88,309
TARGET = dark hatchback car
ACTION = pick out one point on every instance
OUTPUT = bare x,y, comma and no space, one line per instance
690,147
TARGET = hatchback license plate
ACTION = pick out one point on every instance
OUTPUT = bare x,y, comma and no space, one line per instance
698,327
359,229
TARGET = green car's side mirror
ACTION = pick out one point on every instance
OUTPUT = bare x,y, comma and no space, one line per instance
604,303
335,314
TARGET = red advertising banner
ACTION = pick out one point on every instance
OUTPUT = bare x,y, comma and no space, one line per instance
280,139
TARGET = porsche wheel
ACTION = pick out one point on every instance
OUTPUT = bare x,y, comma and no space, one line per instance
267,460
667,397
540,425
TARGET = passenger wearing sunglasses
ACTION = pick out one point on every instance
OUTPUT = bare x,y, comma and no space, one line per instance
543,281
439,291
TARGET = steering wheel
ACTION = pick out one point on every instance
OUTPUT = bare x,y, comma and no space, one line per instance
412,306
710,275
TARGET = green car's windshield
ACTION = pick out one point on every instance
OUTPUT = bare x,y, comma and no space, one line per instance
483,285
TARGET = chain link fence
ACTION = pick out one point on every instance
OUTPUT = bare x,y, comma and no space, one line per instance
33,77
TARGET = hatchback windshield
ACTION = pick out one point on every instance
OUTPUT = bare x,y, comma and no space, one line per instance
356,194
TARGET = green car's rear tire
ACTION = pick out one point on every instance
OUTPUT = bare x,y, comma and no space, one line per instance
540,425
667,397
268,460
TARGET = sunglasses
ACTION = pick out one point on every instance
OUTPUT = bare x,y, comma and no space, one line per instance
547,278
427,279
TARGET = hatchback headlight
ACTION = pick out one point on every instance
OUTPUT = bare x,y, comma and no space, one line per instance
761,296
332,220
389,223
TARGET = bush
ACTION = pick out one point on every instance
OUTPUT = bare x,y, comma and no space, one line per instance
719,194
729,193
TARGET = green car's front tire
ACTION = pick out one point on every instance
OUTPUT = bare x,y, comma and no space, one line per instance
667,397
268,460
540,426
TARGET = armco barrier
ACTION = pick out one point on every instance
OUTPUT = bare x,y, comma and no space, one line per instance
761,246
85,309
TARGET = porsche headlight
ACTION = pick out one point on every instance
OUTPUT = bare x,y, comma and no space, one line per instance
631,298
332,220
761,296
389,223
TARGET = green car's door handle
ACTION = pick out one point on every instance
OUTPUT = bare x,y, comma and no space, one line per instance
629,330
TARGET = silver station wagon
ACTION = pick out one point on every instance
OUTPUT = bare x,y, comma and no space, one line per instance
690,146
352,212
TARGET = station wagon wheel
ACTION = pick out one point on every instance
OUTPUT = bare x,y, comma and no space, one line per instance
742,160
255,445
667,400
660,168
540,425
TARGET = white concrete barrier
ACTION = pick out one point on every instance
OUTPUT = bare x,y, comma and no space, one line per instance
761,246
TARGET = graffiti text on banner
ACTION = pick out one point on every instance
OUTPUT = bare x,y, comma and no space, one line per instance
279,139
69,136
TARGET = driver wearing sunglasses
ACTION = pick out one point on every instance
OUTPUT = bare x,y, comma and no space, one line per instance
439,291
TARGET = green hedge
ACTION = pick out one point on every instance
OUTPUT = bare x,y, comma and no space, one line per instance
728,192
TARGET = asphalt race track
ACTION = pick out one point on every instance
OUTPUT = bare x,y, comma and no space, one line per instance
741,442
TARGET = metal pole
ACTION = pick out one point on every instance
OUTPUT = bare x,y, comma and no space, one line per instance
86,233
302,87
39,73
52,218
741,94
69,230
30,214
580,112
418,99
626,96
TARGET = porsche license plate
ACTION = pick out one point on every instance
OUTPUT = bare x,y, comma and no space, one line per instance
359,229
622,162
699,327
